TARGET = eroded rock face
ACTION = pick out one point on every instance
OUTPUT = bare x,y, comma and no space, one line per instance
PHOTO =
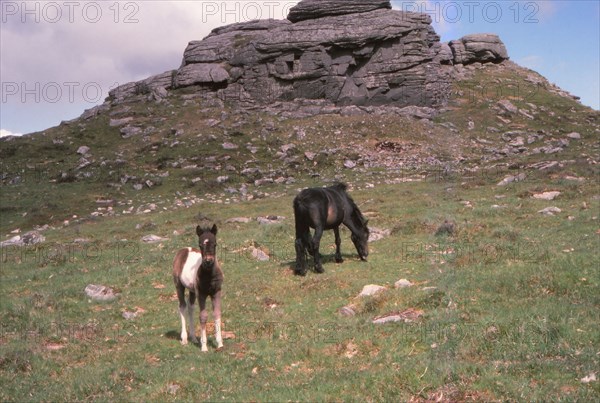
311,9
358,52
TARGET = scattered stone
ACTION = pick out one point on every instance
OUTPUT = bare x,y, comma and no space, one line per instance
375,234
402,283
550,211
153,239
259,254
100,293
512,178
589,378
129,131
348,310
407,316
238,220
119,122
83,150
230,146
272,219
574,136
371,289
129,315
507,106
349,164
310,155
546,195
14,241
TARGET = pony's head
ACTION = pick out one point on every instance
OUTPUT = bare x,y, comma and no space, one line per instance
207,241
360,239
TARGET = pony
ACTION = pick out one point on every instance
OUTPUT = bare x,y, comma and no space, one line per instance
324,209
198,271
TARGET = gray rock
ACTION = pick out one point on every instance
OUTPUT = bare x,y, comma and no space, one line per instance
348,310
32,238
349,54
83,150
480,48
311,9
371,289
507,106
238,220
230,146
376,234
129,131
574,136
153,239
546,195
402,283
100,293
259,254
512,178
550,211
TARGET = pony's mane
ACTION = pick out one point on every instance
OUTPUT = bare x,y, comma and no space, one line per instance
356,214
340,186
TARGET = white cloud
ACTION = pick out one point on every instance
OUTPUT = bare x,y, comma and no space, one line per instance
6,133
75,48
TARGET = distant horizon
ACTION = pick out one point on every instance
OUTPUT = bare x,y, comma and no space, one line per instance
61,58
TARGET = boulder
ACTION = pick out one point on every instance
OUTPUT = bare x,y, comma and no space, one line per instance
482,48
348,54
311,9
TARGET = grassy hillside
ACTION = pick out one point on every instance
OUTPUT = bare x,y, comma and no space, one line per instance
507,301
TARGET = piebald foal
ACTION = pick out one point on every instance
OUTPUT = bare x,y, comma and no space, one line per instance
199,272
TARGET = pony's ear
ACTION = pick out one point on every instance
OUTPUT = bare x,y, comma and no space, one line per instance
214,229
198,230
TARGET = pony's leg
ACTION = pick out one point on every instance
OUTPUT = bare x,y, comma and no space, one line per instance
338,242
300,258
182,312
191,326
203,319
216,303
316,241
307,242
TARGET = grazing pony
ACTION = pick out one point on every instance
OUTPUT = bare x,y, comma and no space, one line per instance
199,272
324,209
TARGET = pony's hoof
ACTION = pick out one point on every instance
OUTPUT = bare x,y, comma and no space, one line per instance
184,342
339,260
300,273
319,270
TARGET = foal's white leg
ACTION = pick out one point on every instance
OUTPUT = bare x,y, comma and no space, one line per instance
203,337
203,319
218,333
184,335
216,303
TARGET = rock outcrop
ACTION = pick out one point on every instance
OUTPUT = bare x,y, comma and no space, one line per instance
358,52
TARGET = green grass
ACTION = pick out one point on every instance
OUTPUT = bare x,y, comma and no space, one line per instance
513,313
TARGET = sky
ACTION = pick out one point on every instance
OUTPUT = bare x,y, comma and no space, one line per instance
58,58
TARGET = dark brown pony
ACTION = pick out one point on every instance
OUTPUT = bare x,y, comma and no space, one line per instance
325,209
198,271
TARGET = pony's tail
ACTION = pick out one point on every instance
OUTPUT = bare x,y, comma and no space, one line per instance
299,216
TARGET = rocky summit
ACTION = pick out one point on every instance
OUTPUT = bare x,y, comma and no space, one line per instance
358,52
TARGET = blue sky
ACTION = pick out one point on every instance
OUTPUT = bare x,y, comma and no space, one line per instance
58,58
